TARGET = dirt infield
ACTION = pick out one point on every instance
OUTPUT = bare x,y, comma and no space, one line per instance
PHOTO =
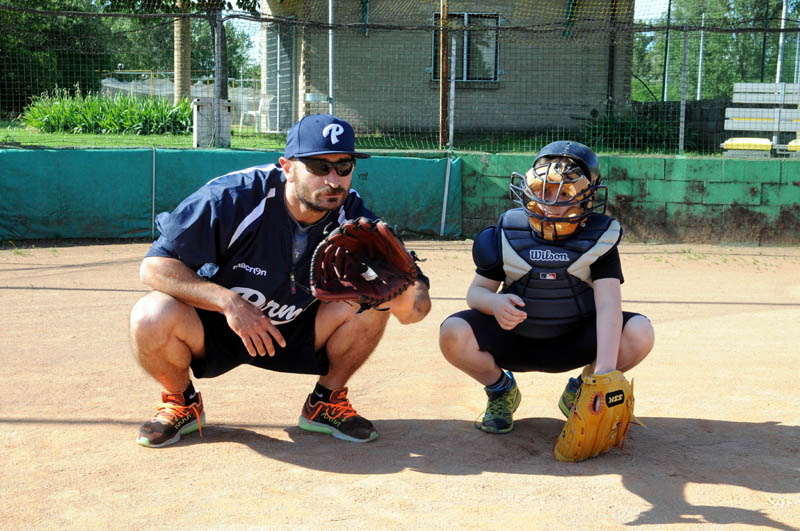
718,394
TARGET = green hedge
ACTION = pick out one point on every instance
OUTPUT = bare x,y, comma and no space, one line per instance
62,111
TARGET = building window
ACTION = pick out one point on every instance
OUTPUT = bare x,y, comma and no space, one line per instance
477,51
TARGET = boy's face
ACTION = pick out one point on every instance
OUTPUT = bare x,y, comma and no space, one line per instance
557,182
552,193
558,186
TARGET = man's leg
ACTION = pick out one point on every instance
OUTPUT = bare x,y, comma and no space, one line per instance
348,338
460,347
165,334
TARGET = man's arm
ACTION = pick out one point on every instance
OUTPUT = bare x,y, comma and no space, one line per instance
173,277
608,303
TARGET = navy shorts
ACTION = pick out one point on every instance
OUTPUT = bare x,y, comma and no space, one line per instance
513,352
225,350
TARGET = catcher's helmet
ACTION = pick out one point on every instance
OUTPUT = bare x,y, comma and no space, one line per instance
561,189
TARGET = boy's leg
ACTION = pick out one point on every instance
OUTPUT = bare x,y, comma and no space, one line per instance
165,335
460,347
348,338
635,344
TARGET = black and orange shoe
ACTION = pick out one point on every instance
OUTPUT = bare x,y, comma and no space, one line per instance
337,418
173,418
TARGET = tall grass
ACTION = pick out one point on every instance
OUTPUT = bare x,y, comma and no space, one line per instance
73,112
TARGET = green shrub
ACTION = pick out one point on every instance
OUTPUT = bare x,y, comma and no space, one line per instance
631,132
62,111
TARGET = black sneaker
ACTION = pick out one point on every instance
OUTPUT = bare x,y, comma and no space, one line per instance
337,418
173,418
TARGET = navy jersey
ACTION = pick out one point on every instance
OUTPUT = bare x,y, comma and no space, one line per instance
237,232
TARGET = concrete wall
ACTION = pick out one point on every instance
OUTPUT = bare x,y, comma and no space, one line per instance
664,199
116,193
110,193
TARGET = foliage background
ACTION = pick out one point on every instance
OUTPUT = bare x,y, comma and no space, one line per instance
73,45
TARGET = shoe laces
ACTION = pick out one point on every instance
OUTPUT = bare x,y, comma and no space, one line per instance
341,408
500,405
172,412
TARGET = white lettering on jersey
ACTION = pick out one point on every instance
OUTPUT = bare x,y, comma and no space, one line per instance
278,314
250,269
283,313
334,130
548,256
256,298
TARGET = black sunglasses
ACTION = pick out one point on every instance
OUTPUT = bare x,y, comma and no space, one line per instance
322,167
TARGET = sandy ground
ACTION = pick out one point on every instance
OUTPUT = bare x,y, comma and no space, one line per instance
718,394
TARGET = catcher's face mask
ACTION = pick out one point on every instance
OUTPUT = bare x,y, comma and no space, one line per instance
557,194
322,167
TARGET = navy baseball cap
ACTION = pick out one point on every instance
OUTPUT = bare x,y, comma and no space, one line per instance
320,134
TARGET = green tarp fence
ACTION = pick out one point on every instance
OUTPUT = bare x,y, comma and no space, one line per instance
115,193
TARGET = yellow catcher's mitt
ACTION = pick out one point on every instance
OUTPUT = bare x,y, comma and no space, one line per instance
600,418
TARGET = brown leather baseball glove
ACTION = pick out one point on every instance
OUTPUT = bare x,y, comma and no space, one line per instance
362,261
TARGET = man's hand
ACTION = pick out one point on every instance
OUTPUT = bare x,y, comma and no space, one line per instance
173,277
255,328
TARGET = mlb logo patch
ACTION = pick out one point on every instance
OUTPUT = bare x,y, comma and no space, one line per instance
547,276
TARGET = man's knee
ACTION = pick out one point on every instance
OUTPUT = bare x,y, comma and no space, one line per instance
153,317
338,323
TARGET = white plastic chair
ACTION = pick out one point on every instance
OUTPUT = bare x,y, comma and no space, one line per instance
263,109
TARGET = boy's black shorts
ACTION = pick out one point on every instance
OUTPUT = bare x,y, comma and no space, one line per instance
576,348
225,350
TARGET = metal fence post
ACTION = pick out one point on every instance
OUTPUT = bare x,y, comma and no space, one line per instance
682,129
219,78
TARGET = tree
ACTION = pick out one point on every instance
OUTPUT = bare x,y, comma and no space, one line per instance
210,9
238,45
182,55
728,57
41,52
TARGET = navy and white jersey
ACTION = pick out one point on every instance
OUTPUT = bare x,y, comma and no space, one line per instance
237,232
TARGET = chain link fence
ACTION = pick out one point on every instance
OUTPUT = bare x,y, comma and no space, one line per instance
656,76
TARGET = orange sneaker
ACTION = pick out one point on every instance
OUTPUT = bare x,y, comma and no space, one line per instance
173,418
337,418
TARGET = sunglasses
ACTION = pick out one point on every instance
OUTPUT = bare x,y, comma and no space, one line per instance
322,167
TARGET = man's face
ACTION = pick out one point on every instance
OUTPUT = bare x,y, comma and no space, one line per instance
325,192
